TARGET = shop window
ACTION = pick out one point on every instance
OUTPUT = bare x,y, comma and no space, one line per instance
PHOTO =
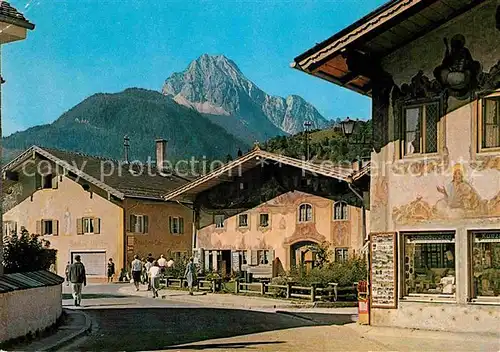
305,213
341,254
340,211
264,220
429,263
219,221
243,220
490,129
486,264
420,129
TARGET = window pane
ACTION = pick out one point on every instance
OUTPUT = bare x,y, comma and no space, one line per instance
429,261
243,220
264,220
491,123
219,221
486,264
412,131
431,123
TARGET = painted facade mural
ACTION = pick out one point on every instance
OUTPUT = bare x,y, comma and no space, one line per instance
459,200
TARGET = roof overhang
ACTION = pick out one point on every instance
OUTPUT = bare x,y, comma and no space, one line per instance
255,158
32,151
350,57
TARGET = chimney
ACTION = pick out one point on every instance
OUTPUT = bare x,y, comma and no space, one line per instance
126,146
161,151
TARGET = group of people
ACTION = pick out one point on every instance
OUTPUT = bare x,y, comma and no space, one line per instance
150,271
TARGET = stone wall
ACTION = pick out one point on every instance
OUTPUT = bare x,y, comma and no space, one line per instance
29,310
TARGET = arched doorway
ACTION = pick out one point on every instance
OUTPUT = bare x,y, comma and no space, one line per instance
301,256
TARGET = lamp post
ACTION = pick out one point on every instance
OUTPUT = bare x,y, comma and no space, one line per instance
307,126
13,27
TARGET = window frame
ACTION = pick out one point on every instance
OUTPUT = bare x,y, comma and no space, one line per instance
480,134
219,225
53,224
144,228
427,297
421,104
241,216
180,229
90,221
345,254
268,220
341,203
473,298
299,218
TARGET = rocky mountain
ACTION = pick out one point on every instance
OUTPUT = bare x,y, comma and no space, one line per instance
96,126
214,85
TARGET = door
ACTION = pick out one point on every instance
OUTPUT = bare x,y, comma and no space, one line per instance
95,262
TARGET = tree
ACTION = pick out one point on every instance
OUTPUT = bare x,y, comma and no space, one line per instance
27,252
322,252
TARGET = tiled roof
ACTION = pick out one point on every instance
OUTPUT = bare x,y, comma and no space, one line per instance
118,176
108,174
10,15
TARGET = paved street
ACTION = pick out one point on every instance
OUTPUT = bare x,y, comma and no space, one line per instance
124,320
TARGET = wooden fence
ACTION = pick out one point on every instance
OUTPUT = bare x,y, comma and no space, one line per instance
313,293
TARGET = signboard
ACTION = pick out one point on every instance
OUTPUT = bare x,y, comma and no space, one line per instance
236,265
383,270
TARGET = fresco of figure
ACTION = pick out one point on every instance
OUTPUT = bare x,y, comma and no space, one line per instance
458,194
458,72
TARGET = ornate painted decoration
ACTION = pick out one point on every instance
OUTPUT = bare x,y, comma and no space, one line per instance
305,232
459,201
422,166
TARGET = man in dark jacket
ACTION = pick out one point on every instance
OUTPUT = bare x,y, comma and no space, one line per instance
78,279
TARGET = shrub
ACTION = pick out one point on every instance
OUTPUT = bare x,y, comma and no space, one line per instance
25,252
342,273
278,292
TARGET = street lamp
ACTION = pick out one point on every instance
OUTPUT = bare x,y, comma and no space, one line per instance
348,126
307,126
13,27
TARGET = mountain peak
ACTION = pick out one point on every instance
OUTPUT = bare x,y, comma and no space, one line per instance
214,84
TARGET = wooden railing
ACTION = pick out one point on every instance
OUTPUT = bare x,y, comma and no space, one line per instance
313,293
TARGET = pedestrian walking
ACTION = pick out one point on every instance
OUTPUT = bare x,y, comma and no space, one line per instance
162,262
148,266
111,270
136,271
190,275
154,277
78,279
66,271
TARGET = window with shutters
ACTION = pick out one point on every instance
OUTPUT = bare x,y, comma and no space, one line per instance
265,256
138,223
340,211
88,226
47,227
420,129
489,131
176,225
219,221
305,213
243,220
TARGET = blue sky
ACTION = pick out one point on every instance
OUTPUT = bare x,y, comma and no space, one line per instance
82,47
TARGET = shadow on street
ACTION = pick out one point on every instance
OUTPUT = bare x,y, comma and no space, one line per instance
233,346
143,329
93,296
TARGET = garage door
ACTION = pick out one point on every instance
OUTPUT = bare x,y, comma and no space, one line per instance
95,262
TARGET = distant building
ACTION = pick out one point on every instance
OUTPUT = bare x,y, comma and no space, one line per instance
95,207
262,211
432,69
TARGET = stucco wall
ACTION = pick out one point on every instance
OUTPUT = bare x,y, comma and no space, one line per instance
25,311
66,204
404,191
284,229
158,240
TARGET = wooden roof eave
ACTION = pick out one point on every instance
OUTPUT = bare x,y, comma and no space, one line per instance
212,179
